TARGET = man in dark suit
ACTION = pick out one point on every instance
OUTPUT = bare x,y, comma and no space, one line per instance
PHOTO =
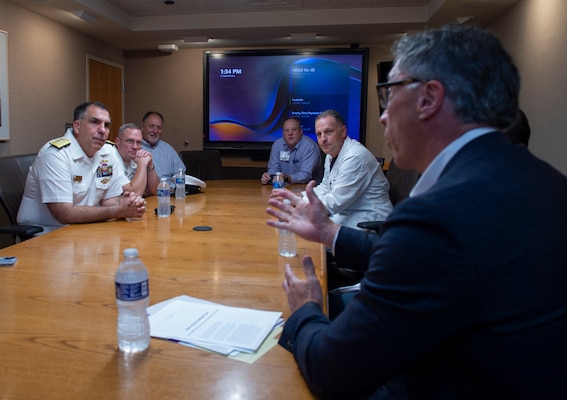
465,296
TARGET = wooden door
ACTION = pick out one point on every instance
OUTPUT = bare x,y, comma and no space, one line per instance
105,85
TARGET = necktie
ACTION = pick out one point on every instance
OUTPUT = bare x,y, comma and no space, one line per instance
332,163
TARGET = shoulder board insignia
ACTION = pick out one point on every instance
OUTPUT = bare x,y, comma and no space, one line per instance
60,143
111,142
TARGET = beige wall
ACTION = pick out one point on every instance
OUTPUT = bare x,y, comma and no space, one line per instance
535,33
47,74
171,83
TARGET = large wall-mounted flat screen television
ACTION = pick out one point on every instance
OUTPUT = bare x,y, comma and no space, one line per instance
249,93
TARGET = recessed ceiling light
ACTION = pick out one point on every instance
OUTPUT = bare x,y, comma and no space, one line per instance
169,2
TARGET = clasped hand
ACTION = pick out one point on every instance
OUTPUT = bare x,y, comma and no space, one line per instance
143,159
134,205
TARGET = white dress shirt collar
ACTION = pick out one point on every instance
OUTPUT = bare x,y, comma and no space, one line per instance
433,171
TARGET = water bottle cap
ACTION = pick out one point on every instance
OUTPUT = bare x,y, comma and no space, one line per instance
131,252
164,179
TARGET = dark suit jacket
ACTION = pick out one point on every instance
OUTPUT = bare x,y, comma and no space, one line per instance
466,291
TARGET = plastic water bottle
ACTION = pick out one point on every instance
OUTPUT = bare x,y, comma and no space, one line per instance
278,181
163,209
287,244
132,299
180,184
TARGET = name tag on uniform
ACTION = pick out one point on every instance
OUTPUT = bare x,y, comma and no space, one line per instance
284,155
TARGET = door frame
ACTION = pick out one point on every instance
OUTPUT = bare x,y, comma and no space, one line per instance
112,64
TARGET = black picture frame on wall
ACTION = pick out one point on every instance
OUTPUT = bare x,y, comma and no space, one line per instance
4,89
384,68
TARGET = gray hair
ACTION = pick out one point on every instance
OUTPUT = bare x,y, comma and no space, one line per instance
128,125
478,75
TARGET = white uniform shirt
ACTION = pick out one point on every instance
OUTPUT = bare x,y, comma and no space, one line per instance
130,167
67,175
355,189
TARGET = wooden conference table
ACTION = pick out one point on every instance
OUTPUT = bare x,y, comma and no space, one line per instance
58,310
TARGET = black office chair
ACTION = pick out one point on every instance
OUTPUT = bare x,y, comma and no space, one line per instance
343,282
202,164
12,182
402,182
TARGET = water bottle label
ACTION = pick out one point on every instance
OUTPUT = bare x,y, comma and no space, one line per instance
132,291
179,180
163,192
278,185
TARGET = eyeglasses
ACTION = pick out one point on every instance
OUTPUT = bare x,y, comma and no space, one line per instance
384,90
130,142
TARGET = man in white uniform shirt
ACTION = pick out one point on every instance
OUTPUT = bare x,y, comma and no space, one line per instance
138,164
354,188
79,178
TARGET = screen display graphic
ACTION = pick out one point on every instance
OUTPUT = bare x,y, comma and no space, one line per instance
249,94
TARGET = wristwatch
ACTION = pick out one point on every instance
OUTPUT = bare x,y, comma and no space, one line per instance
151,168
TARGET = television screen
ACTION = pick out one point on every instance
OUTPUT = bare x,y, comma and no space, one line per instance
249,93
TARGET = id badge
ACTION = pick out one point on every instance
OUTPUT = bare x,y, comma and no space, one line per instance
284,155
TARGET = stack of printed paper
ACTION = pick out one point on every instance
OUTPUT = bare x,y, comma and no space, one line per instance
211,326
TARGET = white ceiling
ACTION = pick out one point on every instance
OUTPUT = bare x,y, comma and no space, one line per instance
144,24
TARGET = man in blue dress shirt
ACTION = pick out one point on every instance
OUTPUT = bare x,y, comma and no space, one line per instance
296,156
166,160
